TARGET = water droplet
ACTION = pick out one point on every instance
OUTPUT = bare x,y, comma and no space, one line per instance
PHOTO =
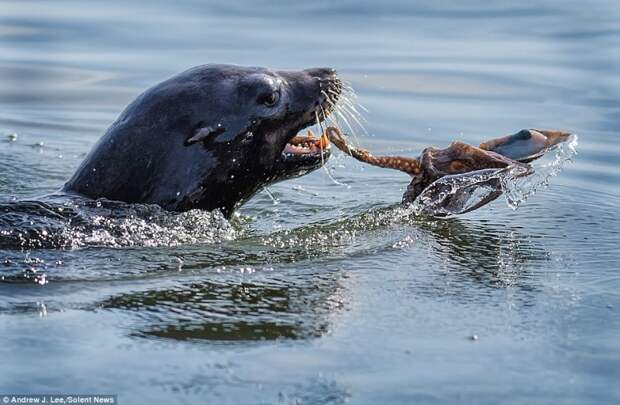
42,309
41,279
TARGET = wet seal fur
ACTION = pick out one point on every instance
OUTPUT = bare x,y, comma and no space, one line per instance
209,138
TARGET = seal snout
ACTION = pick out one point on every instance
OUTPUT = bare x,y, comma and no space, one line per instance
329,87
327,79
313,94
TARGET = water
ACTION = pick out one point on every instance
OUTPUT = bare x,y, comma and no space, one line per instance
333,294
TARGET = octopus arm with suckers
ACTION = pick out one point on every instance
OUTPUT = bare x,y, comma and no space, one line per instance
512,152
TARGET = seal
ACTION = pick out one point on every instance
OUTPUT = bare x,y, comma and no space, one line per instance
211,137
515,150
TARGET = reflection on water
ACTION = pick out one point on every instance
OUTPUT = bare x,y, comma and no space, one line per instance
234,311
334,294
298,306
496,256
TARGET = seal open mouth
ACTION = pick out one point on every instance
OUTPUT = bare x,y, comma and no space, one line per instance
303,154
305,151
307,146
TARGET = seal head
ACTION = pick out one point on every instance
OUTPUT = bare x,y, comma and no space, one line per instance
210,138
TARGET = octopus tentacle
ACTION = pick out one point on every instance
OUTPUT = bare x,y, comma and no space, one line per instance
526,145
459,158
406,164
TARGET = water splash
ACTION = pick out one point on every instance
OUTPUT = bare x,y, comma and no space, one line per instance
518,191
458,194
461,193
82,223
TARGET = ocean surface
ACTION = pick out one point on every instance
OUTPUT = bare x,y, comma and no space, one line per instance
325,292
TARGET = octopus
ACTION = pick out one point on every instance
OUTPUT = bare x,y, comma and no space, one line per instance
512,151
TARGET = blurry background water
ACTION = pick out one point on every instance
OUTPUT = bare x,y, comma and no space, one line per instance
332,294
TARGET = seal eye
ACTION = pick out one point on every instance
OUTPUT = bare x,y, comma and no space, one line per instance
269,99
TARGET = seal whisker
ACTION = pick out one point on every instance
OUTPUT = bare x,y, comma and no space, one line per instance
328,99
351,103
347,89
354,114
334,117
341,113
335,93
344,118
353,117
324,131
341,132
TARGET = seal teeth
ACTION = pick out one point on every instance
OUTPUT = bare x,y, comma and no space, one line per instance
308,144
